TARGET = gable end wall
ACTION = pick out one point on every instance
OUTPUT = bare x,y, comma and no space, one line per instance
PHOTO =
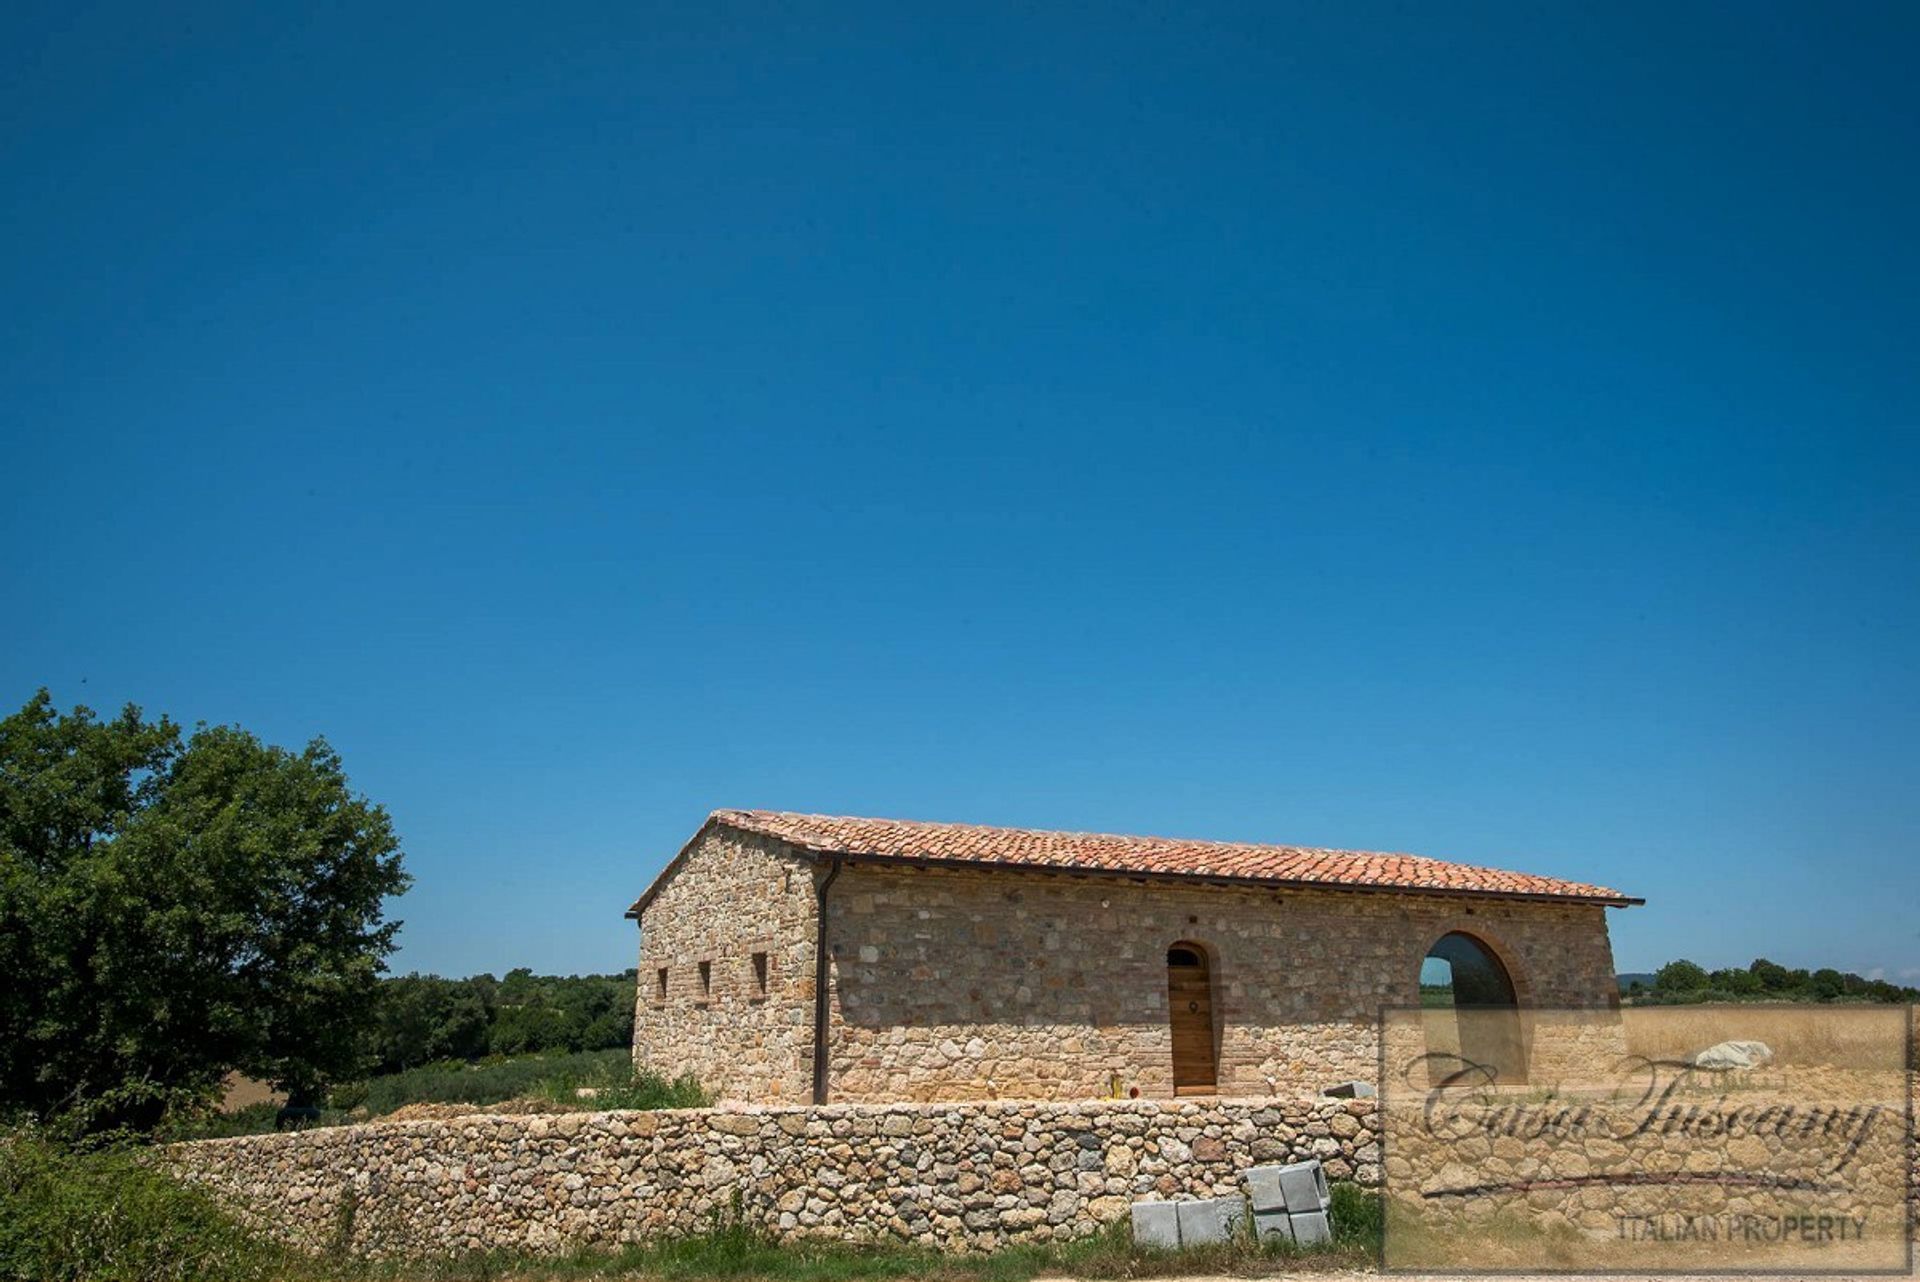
733,895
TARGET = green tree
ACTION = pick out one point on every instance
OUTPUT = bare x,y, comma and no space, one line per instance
1773,977
171,909
1679,977
422,1018
1827,983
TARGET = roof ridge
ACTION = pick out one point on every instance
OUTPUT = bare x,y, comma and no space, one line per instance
724,812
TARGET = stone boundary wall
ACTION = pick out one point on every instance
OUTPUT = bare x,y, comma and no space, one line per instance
958,1177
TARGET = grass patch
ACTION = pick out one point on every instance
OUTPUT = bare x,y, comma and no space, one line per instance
494,1081
745,1254
555,1079
649,1091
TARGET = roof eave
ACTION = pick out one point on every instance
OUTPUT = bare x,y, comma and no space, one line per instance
659,882
1217,879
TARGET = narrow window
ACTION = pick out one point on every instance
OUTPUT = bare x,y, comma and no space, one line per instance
759,974
660,984
706,979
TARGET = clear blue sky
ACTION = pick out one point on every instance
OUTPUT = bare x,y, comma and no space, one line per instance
1486,431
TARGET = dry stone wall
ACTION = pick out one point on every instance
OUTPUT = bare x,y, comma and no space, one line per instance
966,1177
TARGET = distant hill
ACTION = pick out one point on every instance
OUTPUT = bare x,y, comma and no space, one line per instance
1628,978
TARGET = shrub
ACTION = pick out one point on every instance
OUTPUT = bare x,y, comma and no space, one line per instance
109,1215
457,1082
650,1090
1358,1216
254,1119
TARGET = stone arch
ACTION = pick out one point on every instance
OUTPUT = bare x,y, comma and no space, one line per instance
1472,1001
1483,931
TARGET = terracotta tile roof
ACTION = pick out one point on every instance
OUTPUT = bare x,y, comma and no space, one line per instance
973,844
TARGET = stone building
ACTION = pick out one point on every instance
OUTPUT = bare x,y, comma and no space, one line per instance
788,957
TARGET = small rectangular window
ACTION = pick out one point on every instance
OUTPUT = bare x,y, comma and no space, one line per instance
660,985
760,974
706,979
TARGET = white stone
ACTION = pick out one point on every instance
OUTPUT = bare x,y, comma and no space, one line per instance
1731,1056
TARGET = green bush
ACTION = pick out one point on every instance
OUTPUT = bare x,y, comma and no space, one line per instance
109,1215
1358,1217
347,1096
457,1082
650,1090
557,1078
554,1077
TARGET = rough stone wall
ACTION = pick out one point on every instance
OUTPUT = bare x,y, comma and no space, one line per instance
961,985
736,894
969,1177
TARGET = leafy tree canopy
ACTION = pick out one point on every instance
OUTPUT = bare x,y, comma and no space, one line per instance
1682,982
1679,977
420,1019
173,907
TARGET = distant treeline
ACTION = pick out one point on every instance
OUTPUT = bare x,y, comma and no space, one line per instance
1682,982
423,1018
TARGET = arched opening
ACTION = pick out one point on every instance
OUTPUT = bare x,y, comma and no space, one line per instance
1472,1014
1190,1014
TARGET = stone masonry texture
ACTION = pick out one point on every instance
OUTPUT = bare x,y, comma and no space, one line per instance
956,1177
1005,984
738,895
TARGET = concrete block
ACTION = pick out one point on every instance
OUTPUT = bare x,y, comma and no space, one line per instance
1156,1224
1311,1227
1351,1090
1263,1188
1304,1186
1212,1221
1270,1226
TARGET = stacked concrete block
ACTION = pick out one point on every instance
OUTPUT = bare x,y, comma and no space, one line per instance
1310,1228
1272,1226
1290,1201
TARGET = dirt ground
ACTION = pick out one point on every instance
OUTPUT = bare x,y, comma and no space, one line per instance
1324,1276
1367,1276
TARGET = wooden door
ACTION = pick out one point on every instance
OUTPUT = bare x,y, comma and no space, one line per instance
1190,1011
